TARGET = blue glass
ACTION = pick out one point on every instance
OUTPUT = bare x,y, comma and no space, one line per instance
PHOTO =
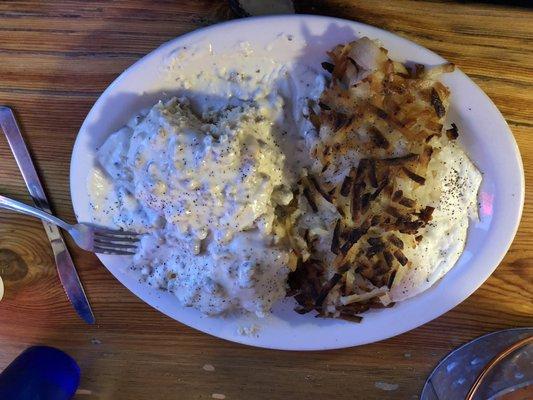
40,373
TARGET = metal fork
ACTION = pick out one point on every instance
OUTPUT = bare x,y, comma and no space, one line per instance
88,237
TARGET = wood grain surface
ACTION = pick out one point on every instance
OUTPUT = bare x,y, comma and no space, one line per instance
56,57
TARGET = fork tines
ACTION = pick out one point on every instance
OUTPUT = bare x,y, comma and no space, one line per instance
109,241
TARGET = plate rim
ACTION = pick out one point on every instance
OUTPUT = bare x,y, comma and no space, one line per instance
175,42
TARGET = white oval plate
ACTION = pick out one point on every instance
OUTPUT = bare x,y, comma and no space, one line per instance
483,131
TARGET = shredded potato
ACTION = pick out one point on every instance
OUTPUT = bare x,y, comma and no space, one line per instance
345,300
378,121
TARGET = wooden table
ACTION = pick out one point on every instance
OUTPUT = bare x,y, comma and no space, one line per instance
56,57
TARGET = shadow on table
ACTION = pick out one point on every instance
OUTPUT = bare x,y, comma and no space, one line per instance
518,3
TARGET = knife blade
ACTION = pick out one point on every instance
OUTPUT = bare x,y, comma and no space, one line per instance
65,266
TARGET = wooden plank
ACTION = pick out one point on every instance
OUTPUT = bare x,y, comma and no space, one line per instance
56,57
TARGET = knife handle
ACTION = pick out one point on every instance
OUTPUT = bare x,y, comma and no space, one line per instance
23,159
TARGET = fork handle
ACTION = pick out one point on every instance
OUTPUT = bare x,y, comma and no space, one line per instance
13,205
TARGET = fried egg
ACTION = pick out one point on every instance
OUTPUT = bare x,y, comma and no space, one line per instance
453,192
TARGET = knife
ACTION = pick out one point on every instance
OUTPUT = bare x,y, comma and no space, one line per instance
65,267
